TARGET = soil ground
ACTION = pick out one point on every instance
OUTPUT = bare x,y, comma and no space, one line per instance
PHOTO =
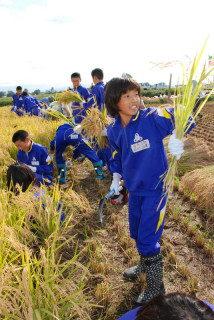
187,237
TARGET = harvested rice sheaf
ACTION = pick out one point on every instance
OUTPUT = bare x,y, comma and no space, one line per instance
183,104
93,125
67,97
200,182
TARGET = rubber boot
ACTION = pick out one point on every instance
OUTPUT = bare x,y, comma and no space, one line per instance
61,172
154,278
98,167
133,272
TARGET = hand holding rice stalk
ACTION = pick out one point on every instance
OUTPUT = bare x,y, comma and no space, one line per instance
183,107
93,125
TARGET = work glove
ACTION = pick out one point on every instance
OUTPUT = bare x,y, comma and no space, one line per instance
104,133
51,155
68,164
77,129
175,146
116,183
32,168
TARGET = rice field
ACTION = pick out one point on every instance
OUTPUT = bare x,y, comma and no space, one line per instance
74,271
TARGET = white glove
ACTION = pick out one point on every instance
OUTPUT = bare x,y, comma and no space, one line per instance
51,155
104,133
175,146
116,183
68,164
77,129
32,168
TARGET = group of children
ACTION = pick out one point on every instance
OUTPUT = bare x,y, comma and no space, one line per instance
137,156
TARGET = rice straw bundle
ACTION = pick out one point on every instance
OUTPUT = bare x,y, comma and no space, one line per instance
67,97
184,103
59,115
93,125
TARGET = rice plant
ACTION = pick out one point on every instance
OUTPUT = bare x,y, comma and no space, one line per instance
183,104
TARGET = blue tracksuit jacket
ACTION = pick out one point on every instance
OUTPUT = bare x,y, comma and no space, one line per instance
65,136
142,157
31,105
98,93
38,157
139,156
78,113
18,103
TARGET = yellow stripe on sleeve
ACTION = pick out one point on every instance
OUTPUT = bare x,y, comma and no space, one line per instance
114,153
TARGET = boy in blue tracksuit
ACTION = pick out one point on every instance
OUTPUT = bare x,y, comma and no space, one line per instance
18,102
98,90
35,156
136,135
66,136
98,99
31,105
78,110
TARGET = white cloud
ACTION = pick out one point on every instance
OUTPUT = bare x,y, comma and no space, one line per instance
45,43
6,2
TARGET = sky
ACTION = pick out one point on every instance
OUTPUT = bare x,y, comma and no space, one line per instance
44,41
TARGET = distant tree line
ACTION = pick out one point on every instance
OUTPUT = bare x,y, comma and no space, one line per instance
35,92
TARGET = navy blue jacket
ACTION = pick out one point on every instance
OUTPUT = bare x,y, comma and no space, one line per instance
37,157
18,101
98,95
78,113
30,103
141,158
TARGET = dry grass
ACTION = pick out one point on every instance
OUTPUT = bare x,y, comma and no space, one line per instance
200,182
196,155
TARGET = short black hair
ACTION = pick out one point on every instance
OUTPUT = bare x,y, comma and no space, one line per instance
113,91
20,135
175,306
24,93
20,173
75,75
97,73
18,88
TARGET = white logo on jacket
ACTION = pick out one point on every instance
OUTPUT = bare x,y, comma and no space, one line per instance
73,136
139,144
137,137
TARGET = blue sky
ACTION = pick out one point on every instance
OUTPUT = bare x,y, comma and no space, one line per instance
44,41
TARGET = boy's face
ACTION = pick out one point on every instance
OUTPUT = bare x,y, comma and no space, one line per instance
76,82
23,145
129,103
18,92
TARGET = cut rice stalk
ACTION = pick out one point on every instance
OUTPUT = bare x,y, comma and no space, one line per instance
184,103
93,125
68,96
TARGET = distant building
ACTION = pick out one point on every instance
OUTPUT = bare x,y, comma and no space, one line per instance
145,85
159,86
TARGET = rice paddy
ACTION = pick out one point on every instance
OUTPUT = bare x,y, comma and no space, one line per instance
74,270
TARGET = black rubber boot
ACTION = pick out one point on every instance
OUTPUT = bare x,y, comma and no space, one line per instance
133,272
154,278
